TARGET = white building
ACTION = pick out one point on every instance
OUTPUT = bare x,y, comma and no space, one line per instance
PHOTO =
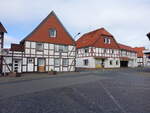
147,57
99,49
142,59
48,47
128,56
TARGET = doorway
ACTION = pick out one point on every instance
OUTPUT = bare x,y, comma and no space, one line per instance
123,63
41,65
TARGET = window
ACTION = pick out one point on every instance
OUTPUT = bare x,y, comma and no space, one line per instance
30,60
52,33
85,62
39,46
57,62
65,62
117,63
112,51
57,48
86,50
61,48
111,62
106,40
65,48
104,50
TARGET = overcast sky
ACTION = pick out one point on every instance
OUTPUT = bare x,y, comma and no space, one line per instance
127,20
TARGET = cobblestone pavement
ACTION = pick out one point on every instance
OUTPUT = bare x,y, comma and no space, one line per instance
121,91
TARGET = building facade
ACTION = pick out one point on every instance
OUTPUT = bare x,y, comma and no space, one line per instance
99,49
2,31
128,56
142,59
48,47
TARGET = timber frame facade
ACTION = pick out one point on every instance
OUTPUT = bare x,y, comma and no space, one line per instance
49,47
99,49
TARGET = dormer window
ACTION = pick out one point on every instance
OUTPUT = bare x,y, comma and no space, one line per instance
106,40
52,32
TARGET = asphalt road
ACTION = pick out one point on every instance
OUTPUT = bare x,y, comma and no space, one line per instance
123,91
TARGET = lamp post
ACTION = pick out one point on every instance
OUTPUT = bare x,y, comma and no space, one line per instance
76,35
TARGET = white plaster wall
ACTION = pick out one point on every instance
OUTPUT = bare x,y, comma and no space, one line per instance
8,60
24,69
27,44
45,45
24,61
91,64
33,45
27,51
51,46
114,65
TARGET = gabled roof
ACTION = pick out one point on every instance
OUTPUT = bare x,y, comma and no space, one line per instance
17,47
40,33
2,28
126,48
139,51
96,39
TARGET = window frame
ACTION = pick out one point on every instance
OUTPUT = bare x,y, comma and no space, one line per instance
42,45
30,60
65,63
86,50
56,63
107,40
85,62
111,62
54,32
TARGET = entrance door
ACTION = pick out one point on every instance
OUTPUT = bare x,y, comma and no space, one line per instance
103,63
41,65
123,63
17,65
98,63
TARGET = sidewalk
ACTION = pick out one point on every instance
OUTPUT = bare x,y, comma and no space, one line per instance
33,76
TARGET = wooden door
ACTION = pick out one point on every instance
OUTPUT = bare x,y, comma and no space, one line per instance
41,65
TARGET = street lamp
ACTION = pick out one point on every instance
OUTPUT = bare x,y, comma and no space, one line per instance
76,35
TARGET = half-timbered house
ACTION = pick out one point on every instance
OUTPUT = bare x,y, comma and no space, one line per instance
142,59
128,56
2,31
97,49
48,47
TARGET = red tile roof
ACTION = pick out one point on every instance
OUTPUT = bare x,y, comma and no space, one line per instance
41,33
2,29
96,39
139,51
127,48
17,47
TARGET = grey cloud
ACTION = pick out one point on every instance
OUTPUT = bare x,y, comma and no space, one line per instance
127,20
